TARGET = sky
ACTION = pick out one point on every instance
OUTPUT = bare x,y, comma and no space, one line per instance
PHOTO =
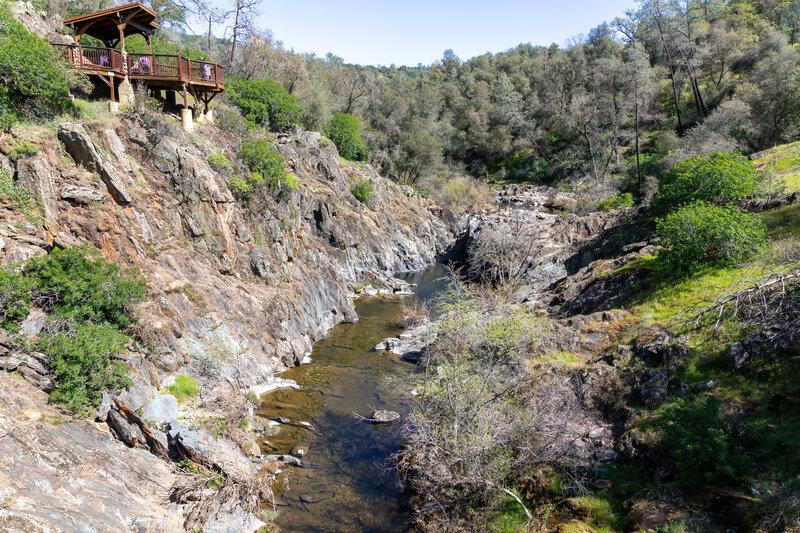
410,32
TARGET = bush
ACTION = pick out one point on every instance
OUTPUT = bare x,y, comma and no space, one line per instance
23,150
363,190
266,103
700,442
79,284
702,234
265,165
15,303
19,197
183,388
618,200
33,78
82,358
219,162
717,178
343,130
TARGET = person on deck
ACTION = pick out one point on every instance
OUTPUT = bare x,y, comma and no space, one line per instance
206,72
144,61
103,61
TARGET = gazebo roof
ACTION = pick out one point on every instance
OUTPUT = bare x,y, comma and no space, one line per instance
136,18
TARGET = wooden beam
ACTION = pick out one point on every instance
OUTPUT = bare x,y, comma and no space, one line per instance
82,30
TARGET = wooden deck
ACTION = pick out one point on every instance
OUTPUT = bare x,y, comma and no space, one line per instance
158,71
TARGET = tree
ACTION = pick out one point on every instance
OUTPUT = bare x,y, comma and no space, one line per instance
702,234
343,130
717,178
265,102
773,93
243,14
350,85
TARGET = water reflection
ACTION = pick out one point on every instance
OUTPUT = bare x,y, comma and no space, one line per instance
351,487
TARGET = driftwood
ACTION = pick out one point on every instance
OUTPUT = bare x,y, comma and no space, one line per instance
155,446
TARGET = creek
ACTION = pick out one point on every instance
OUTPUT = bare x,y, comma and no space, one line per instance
351,486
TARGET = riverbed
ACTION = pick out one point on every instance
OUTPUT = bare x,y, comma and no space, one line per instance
350,486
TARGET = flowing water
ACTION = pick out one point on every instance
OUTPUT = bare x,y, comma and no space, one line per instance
351,487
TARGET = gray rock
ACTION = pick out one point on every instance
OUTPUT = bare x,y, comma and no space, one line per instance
2,244
282,420
737,356
138,394
251,447
127,433
105,407
21,254
161,409
369,290
663,351
654,390
285,459
83,195
259,263
384,417
200,447
33,324
81,147
235,521
160,437
678,388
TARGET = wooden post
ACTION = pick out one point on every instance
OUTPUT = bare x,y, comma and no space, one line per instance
121,28
111,79
149,45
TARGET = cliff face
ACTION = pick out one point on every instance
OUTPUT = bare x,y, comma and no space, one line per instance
253,285
261,282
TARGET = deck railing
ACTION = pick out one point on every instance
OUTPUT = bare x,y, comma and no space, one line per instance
92,57
142,65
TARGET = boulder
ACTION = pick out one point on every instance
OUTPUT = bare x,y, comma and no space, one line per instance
251,447
384,417
299,451
161,409
127,433
654,390
82,195
737,356
83,150
237,520
201,447
33,324
138,394
663,351
259,263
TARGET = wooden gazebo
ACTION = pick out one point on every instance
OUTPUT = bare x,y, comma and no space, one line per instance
117,68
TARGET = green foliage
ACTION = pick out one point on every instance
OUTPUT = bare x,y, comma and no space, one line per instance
701,234
219,162
78,283
716,178
82,359
265,102
266,167
183,388
618,200
18,196
343,130
363,190
33,79
211,478
700,442
15,303
23,150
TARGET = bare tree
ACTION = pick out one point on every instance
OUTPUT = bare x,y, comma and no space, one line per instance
243,14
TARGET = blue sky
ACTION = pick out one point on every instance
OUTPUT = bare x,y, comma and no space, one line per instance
408,32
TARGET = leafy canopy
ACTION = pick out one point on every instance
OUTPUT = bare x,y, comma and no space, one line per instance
700,441
363,190
266,167
33,79
266,103
701,234
343,130
78,283
82,359
715,178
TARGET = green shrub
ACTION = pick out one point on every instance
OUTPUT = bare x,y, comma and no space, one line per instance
82,358
219,162
78,283
18,196
343,130
183,388
265,102
702,234
618,200
15,302
266,167
23,150
33,78
363,190
716,178
700,442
